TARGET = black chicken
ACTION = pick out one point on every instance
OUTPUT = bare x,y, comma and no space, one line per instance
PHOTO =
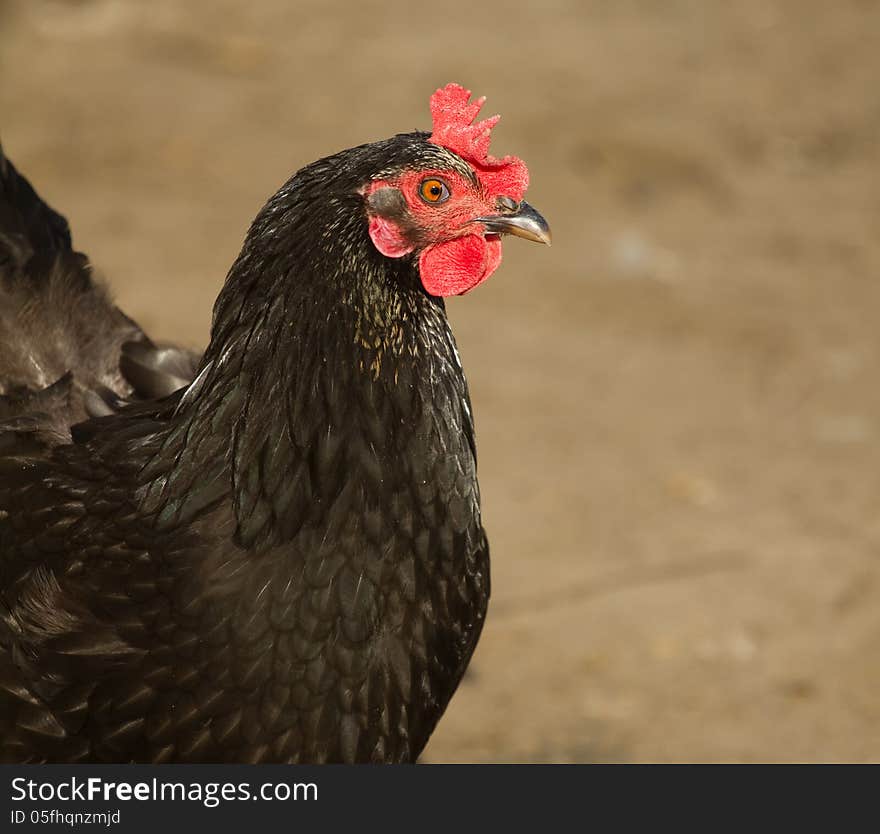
283,560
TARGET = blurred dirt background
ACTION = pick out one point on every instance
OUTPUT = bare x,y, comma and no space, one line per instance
677,405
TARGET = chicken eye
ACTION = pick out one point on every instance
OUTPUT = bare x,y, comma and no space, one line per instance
433,191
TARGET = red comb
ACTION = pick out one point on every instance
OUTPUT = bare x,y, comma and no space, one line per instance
453,114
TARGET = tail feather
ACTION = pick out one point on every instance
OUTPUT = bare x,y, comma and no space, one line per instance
28,227
66,352
55,318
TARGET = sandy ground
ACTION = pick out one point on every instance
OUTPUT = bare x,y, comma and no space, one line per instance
677,405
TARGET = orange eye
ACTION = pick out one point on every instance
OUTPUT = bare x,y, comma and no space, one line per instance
433,191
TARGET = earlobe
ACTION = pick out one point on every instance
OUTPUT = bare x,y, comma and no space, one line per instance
387,203
388,238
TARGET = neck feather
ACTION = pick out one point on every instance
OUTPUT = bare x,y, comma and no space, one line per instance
330,373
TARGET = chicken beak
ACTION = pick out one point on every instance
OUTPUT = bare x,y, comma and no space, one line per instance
521,220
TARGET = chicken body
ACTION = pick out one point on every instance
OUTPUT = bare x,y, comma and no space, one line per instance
282,561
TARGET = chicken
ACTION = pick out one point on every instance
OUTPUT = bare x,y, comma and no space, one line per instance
273,553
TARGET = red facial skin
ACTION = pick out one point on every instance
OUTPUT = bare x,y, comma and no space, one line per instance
455,253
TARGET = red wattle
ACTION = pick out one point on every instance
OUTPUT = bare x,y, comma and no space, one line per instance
459,265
